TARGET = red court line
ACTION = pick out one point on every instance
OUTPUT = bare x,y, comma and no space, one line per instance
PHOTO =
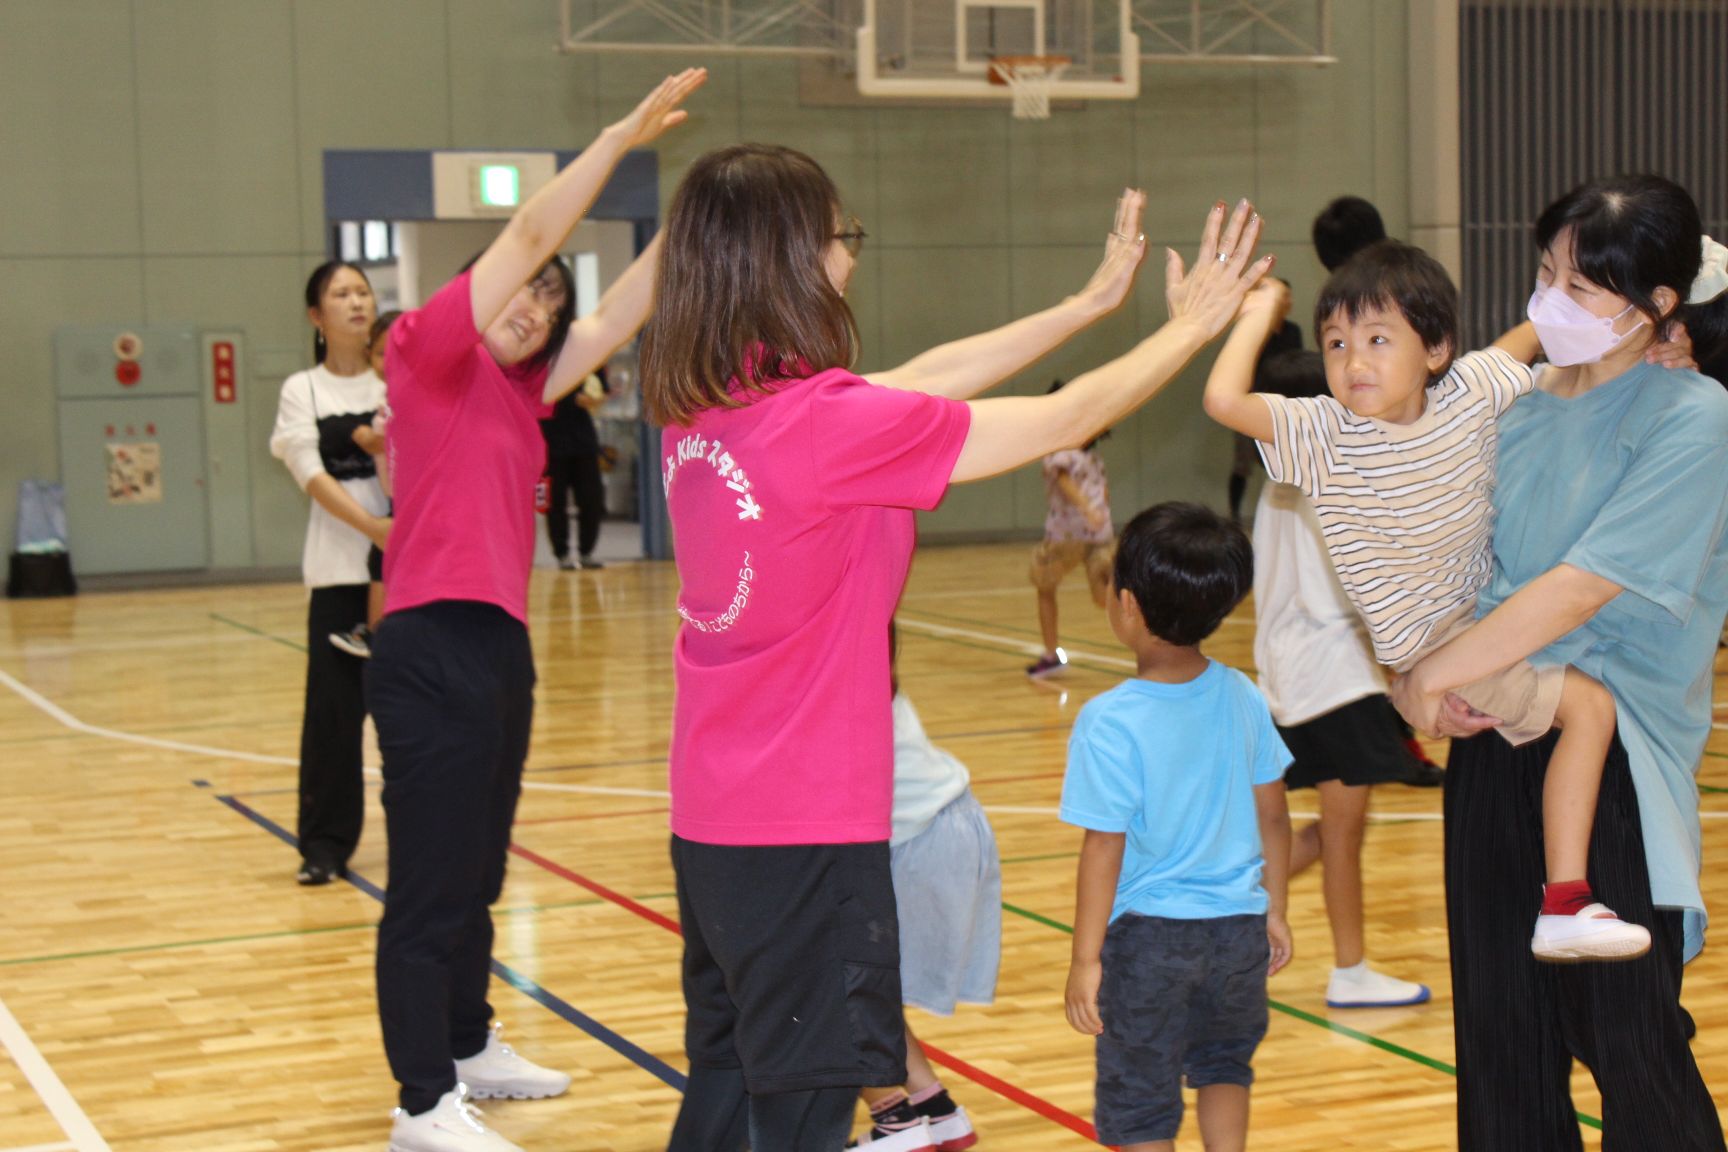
595,816
1003,1088
599,890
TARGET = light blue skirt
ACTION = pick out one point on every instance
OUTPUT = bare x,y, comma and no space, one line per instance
948,885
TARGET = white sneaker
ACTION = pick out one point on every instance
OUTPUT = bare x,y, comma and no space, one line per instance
1362,987
954,1132
452,1125
497,1073
914,1139
1592,933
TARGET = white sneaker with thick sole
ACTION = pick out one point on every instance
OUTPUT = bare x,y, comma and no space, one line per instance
914,1139
1592,933
452,1125
1362,987
953,1132
496,1072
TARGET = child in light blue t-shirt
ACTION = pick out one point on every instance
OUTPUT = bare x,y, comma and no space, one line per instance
1177,777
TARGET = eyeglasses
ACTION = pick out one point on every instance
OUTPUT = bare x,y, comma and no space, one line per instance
853,236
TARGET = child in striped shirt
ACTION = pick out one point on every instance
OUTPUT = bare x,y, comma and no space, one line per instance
1399,464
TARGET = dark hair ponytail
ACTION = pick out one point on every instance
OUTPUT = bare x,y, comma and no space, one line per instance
315,286
1635,234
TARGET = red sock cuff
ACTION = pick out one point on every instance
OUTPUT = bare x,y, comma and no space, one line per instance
888,1103
1566,897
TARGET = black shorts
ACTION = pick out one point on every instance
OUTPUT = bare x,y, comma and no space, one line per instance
1180,999
1360,743
375,564
792,964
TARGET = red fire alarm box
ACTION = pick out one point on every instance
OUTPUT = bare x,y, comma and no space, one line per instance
222,370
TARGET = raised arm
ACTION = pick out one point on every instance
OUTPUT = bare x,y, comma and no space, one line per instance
540,225
1007,432
622,311
1547,608
965,368
1230,398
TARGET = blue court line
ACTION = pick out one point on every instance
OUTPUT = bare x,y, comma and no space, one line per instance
642,1058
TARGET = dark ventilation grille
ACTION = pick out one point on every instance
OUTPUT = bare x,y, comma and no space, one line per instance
1556,92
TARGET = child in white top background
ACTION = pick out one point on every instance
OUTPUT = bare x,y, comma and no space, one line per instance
1077,532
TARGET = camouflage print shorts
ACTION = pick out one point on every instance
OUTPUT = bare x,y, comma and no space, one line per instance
1180,998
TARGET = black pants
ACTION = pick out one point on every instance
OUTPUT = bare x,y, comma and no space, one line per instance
791,990
577,476
332,793
451,687
1519,1023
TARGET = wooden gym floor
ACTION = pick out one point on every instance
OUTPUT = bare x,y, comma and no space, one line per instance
165,986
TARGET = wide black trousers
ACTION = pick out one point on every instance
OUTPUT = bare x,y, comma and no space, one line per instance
332,792
578,477
1519,1024
451,688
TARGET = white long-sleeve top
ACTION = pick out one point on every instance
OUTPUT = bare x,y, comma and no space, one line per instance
335,553
1310,645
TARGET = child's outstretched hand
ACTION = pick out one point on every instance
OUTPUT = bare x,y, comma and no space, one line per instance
1268,302
1278,939
1124,248
1081,998
659,109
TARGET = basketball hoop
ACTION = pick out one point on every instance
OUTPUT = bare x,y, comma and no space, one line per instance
1031,79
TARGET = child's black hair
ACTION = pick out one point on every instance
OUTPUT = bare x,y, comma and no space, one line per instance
381,326
1633,235
1293,372
1187,567
1345,227
1399,277
1056,386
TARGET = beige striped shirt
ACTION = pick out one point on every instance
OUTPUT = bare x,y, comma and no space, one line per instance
1405,507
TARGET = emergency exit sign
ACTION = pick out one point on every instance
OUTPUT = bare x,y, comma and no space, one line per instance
498,185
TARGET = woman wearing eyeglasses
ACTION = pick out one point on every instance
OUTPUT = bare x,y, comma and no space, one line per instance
791,483
451,681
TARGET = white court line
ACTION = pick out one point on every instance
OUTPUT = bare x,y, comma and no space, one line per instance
68,720
83,1135
63,1146
1026,646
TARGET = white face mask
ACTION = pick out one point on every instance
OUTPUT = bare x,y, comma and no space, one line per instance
1571,333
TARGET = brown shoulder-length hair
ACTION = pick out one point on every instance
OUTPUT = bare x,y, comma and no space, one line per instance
742,296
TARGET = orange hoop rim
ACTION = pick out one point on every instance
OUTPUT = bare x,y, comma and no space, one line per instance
1001,67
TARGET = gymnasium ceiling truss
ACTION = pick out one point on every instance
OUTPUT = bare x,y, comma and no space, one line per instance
1171,31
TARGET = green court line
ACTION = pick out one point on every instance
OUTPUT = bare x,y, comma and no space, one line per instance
258,632
1309,1017
176,945
1712,788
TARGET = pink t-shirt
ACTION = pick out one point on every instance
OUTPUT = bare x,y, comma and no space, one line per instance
465,454
794,533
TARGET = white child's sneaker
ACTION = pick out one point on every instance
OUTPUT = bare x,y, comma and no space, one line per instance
917,1138
496,1072
1591,933
452,1125
1362,987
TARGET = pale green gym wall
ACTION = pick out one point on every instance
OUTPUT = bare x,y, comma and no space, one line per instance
160,162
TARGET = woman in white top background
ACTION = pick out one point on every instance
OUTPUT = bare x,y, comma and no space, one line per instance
316,419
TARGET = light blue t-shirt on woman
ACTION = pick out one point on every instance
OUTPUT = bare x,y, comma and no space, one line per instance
1630,481
1175,766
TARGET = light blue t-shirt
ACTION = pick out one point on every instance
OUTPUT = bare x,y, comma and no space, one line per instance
1175,766
1630,481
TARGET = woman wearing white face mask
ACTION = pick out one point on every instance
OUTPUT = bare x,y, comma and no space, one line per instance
1610,556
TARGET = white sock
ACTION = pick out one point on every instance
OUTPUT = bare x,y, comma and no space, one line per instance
1355,972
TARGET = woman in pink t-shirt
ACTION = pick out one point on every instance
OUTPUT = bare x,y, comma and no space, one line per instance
451,680
791,484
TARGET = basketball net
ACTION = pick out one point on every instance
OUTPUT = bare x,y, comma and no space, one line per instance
1030,79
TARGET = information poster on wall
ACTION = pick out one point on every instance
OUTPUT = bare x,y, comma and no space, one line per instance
135,473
